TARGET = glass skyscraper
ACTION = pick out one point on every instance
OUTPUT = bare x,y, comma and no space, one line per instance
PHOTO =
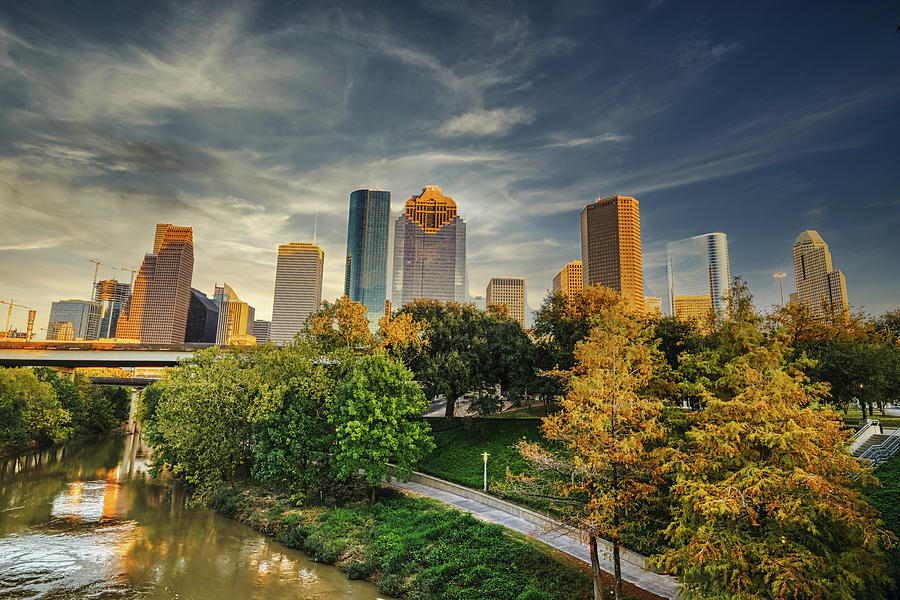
699,276
429,250
84,317
112,297
365,275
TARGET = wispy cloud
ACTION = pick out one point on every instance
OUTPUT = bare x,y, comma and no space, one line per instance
487,122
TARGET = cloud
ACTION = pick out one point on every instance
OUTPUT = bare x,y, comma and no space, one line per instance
487,122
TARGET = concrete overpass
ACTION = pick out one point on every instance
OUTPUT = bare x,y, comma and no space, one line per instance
93,354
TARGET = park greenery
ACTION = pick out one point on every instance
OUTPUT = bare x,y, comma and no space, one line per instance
38,408
717,448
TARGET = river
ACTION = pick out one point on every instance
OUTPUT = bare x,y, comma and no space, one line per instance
87,521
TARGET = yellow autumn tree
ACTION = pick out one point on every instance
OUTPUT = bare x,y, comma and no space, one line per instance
768,499
341,323
605,462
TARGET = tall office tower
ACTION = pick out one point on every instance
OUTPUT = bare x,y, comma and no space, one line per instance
611,247
652,306
203,319
569,281
112,297
158,309
509,291
819,287
262,330
298,288
429,250
365,275
82,314
699,276
235,325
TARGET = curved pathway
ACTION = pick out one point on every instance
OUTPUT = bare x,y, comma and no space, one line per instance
540,527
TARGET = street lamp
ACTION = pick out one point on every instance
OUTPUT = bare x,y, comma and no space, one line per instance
485,455
780,275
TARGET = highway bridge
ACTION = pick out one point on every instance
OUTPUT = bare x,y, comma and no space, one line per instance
93,354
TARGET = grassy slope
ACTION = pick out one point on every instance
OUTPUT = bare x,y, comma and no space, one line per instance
457,456
886,498
412,547
854,415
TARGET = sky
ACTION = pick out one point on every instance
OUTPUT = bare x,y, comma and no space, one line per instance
244,120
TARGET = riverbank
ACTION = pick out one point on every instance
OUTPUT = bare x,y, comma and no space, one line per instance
412,547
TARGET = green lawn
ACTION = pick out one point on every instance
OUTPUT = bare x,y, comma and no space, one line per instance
854,415
457,456
532,412
886,498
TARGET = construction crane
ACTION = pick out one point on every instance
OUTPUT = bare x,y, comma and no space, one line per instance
98,263
9,314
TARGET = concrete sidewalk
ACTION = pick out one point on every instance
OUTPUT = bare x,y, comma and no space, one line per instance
494,510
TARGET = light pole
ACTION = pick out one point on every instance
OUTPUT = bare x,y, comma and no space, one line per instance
485,455
779,276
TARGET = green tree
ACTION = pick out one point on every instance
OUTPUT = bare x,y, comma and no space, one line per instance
204,420
30,412
467,350
291,444
373,413
766,506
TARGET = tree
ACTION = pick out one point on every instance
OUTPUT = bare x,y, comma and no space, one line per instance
401,335
373,414
291,444
606,465
766,505
467,350
341,324
30,412
206,415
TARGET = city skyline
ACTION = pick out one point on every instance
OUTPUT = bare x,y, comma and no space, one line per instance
243,122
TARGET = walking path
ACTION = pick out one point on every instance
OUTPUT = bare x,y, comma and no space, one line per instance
494,510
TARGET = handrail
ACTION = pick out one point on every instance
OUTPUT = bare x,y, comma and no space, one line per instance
869,423
884,451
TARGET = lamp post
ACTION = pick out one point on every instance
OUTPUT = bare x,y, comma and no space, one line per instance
779,276
485,455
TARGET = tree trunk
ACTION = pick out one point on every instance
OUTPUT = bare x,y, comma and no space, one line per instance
617,564
450,409
595,569
374,489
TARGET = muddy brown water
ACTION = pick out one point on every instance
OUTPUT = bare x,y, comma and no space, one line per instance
87,521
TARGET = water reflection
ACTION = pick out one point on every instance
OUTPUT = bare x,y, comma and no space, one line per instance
87,521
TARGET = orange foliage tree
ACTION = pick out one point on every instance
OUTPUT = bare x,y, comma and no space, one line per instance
605,463
341,323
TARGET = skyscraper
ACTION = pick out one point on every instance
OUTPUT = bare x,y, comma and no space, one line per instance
298,288
262,330
235,323
429,250
158,309
819,287
112,297
82,314
699,276
203,319
569,281
365,278
611,247
508,291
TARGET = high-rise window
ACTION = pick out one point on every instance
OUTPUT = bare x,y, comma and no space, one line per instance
365,275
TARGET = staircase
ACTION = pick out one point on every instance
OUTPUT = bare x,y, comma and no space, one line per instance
875,440
879,448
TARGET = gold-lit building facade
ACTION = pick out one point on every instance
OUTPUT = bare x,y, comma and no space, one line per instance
509,292
298,289
819,286
158,308
569,281
235,325
653,306
429,250
611,247
698,309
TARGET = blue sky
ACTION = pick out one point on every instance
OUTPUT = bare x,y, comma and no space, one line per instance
757,119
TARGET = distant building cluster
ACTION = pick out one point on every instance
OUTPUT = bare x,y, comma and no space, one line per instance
429,262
